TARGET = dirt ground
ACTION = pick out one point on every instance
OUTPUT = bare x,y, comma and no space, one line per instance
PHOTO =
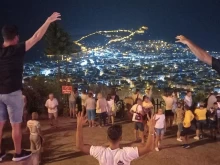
59,147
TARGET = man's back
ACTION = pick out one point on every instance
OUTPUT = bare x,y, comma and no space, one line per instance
11,68
106,156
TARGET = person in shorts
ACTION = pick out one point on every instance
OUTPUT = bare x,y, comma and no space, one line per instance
200,115
113,154
159,127
12,54
179,116
169,101
188,117
51,105
137,118
36,138
90,105
72,103
212,120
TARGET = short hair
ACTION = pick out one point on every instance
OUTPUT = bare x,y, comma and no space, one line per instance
114,132
215,103
9,32
188,91
90,94
109,96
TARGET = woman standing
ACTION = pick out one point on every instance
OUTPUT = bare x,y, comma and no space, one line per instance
101,109
90,109
84,96
72,103
111,108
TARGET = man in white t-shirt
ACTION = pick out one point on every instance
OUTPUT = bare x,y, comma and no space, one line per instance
113,155
51,105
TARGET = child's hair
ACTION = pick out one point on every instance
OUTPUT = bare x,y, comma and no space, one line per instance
34,116
186,107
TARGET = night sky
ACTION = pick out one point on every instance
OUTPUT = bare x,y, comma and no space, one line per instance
197,19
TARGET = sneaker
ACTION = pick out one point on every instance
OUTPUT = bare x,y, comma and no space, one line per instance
187,146
157,149
2,155
23,155
183,145
196,138
179,139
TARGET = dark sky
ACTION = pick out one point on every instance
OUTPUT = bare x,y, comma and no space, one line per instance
197,19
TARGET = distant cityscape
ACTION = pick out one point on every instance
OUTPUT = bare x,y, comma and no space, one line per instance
127,59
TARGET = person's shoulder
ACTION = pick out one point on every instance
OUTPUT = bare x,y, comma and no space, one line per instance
129,149
98,148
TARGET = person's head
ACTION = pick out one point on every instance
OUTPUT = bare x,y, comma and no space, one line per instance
186,107
10,34
90,95
75,90
34,116
108,97
113,97
146,99
114,133
215,105
169,94
84,92
179,104
139,101
215,93
147,90
218,98
160,111
201,105
51,96
137,91
189,93
99,96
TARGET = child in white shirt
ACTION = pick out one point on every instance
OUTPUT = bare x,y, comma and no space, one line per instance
159,127
36,138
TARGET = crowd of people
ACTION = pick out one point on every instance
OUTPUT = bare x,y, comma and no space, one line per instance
146,123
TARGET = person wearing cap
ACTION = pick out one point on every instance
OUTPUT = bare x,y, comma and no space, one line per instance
200,116
212,99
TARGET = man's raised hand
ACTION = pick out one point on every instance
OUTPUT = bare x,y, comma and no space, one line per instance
182,39
54,17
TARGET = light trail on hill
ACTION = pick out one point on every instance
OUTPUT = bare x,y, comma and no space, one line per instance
132,33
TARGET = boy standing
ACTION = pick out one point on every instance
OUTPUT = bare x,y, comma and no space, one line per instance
179,115
188,117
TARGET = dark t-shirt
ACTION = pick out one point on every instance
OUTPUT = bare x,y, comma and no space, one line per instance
11,68
216,64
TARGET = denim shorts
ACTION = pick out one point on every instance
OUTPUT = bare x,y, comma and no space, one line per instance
91,114
11,105
159,131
